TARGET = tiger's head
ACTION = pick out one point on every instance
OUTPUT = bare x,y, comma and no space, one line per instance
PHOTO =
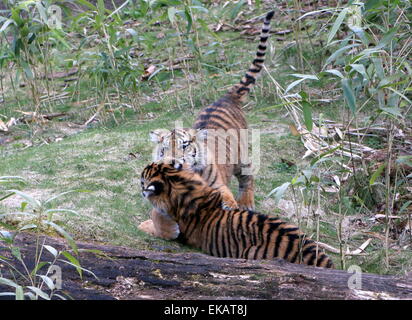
169,186
182,145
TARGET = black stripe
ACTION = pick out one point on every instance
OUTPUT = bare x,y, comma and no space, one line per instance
256,61
242,89
227,111
263,38
206,174
223,242
289,248
262,47
277,243
210,109
241,231
255,70
251,229
208,123
216,238
234,239
211,183
308,250
295,256
246,252
329,264
208,225
260,54
210,117
269,16
273,226
312,259
321,258
250,79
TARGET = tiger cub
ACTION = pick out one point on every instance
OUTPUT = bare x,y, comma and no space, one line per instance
182,194
191,145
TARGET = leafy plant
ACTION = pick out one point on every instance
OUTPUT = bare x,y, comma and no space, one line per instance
40,281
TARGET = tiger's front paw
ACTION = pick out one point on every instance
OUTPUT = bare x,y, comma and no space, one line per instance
246,208
148,227
229,204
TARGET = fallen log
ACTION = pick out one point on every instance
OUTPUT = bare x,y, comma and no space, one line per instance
125,273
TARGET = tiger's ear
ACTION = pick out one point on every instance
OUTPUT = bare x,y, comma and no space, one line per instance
158,135
201,135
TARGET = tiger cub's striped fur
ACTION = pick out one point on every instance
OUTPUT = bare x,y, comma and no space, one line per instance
186,198
191,145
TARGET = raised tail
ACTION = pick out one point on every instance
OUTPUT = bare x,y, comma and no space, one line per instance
241,89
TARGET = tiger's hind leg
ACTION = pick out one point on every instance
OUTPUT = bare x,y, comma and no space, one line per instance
161,226
246,197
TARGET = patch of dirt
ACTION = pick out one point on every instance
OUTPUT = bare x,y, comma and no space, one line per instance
15,200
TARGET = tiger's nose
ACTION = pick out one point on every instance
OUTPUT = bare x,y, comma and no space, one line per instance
146,194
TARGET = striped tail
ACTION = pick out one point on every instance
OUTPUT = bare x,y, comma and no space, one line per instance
248,80
312,256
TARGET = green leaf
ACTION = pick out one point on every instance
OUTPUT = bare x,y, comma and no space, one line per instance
38,267
64,193
305,76
52,250
171,12
307,115
35,203
335,72
235,11
405,206
279,191
101,8
389,80
189,19
339,52
71,264
15,251
349,95
405,160
387,38
6,196
377,173
87,4
39,292
394,111
6,24
318,159
360,68
8,282
337,25
293,84
373,4
74,261
63,233
72,212
28,226
49,282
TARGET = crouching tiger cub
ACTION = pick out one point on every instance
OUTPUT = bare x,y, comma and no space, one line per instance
194,146
179,192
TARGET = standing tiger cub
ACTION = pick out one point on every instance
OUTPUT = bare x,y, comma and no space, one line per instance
177,191
219,122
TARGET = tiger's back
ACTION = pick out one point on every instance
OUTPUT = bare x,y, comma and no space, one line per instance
188,200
